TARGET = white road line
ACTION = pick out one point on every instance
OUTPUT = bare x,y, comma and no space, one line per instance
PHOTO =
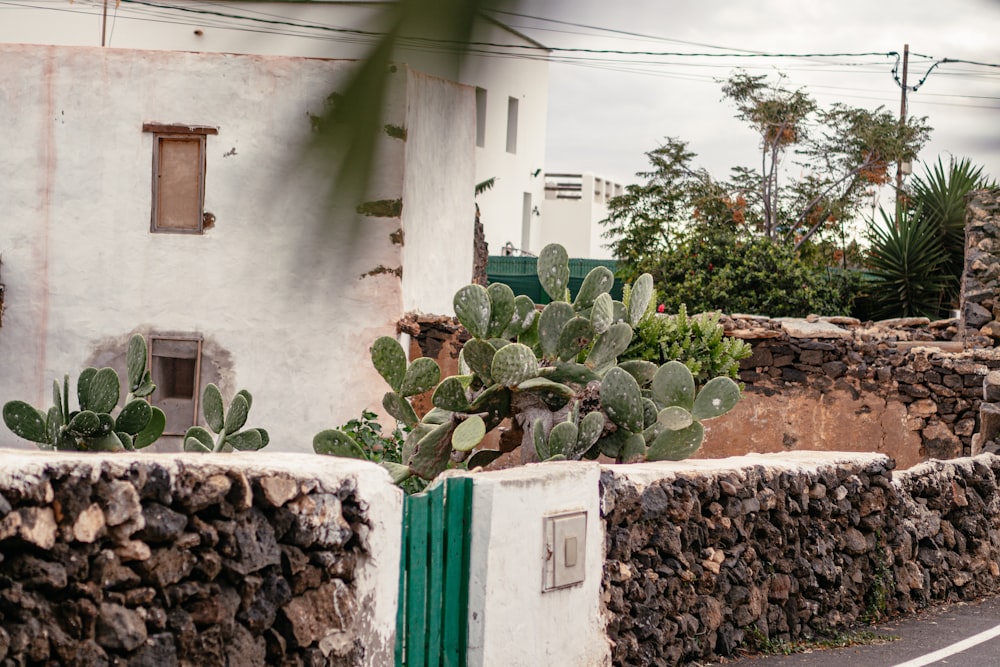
957,647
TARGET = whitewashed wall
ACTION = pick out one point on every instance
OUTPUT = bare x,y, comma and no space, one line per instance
277,284
38,21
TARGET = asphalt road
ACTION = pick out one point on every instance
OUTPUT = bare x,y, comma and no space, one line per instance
959,635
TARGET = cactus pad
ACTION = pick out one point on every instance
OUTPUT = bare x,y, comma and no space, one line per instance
25,421
562,439
422,375
599,281
513,364
550,326
622,400
236,417
501,308
212,408
642,370
473,309
523,318
450,395
673,384
134,416
553,271
576,335
717,397
676,445
337,443
135,361
609,345
602,313
639,298
389,360
468,434
478,355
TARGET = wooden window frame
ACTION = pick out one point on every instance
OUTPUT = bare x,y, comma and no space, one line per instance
164,131
196,394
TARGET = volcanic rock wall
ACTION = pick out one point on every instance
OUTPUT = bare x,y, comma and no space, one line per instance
706,556
191,560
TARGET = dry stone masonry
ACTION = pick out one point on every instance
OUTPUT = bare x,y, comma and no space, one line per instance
178,561
981,277
703,556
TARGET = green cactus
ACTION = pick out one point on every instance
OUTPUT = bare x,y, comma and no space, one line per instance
225,424
553,376
92,427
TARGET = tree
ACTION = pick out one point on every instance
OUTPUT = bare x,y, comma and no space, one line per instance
844,152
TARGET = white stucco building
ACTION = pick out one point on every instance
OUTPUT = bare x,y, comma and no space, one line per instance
574,206
173,194
510,80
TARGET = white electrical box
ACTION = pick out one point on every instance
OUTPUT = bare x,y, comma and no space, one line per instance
565,548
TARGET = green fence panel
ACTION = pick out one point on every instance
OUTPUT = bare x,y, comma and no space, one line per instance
432,622
520,273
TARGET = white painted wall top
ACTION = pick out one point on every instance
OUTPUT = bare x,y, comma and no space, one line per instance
575,204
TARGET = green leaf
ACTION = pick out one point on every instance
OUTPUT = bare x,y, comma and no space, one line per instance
550,326
399,408
195,445
673,384
201,435
212,408
553,271
501,308
397,471
389,360
513,364
676,445
609,345
84,424
473,309
83,389
135,360
468,434
576,335
639,298
103,391
602,313
599,281
134,416
154,429
450,395
433,452
422,375
337,443
249,440
478,354
524,316
25,421
717,397
236,417
622,400
483,458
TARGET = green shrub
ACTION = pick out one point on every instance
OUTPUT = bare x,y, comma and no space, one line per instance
697,342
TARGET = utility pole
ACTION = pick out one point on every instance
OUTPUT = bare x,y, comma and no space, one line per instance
902,122
104,24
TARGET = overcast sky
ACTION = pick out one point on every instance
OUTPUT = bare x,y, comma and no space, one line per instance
606,111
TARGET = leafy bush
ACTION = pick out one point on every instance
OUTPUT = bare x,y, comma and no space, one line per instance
697,342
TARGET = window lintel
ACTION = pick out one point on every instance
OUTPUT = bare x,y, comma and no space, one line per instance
168,128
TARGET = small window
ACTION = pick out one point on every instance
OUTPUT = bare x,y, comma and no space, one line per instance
178,177
480,117
175,363
512,104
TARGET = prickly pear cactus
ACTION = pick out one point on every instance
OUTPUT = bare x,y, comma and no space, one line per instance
553,374
92,427
226,425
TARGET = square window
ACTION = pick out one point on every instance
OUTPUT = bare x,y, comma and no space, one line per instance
178,177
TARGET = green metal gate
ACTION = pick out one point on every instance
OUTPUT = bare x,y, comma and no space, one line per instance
432,621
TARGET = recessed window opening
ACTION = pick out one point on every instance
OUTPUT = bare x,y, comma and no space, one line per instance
512,104
175,363
480,117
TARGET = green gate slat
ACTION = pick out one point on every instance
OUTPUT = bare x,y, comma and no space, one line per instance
416,582
456,568
435,588
432,619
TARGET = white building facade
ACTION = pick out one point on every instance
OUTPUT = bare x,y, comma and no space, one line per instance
575,205
173,194
511,80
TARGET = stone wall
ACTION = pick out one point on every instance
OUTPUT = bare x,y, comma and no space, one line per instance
195,560
706,556
902,387
981,277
